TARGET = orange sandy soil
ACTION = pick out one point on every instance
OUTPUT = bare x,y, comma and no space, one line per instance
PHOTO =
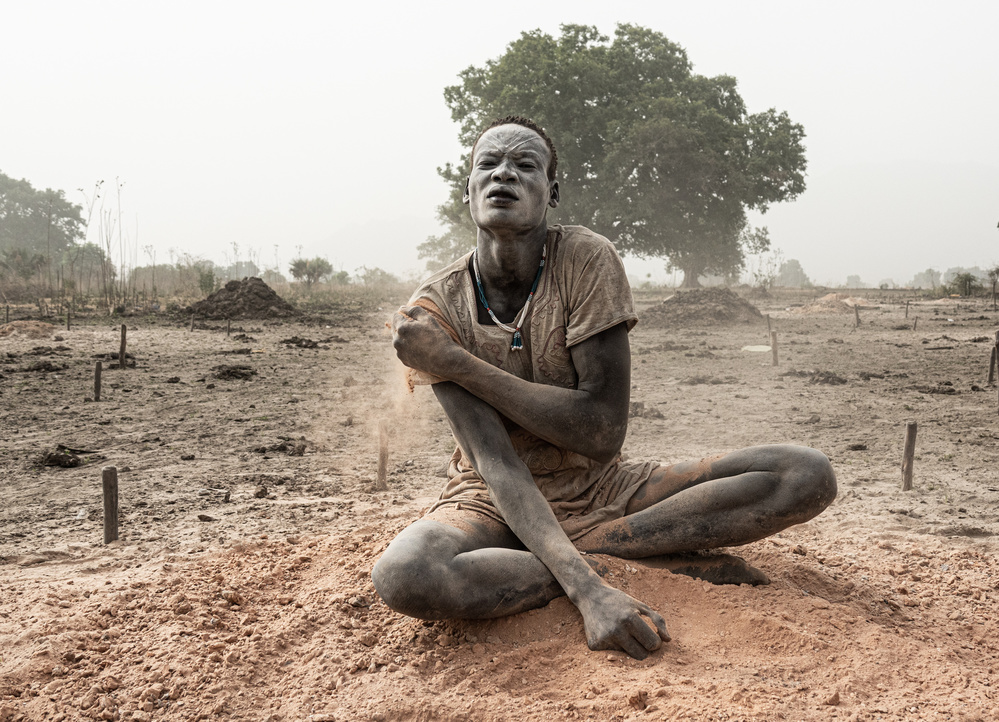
262,608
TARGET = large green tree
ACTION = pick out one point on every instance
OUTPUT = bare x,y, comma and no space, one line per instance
39,225
661,160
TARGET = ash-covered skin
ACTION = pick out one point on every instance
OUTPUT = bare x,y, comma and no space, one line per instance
456,568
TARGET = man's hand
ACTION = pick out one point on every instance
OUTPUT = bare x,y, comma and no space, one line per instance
421,343
614,620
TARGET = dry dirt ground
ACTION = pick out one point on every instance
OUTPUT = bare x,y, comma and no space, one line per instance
240,587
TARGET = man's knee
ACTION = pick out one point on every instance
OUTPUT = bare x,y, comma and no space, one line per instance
410,574
814,481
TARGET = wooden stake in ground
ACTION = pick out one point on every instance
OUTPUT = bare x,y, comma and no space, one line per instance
121,351
382,482
907,309
856,315
994,360
97,381
67,319
907,455
773,347
769,329
109,480
228,326
915,322
192,321
7,315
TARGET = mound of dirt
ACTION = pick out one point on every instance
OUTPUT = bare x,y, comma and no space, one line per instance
249,298
834,303
31,329
701,307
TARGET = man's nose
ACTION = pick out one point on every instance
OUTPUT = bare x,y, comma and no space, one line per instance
505,171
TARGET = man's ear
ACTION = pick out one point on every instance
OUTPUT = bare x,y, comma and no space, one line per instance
466,198
553,198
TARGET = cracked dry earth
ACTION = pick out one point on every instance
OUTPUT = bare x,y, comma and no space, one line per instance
240,586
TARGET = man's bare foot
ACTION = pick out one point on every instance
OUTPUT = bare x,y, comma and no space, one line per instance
713,568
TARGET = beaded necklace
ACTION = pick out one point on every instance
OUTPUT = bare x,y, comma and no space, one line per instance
518,342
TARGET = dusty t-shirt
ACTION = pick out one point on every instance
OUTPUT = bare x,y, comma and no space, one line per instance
583,290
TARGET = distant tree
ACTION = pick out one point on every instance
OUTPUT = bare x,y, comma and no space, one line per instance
854,282
662,161
792,275
886,283
965,284
37,224
928,279
240,269
765,268
375,276
993,279
22,262
272,277
952,273
310,270
208,282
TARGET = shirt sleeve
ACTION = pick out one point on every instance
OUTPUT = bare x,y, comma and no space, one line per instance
599,293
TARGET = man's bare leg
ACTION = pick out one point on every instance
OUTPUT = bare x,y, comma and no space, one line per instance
479,570
723,501
472,570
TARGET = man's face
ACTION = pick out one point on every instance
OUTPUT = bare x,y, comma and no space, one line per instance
508,186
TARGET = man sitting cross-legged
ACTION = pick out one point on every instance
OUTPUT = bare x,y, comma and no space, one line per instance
526,343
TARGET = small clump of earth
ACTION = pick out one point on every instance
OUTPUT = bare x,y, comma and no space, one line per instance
249,298
701,307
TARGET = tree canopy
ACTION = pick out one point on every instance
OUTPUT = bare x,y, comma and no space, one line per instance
35,224
661,160
310,270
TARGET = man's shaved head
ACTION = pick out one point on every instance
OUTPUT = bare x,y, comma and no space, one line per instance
531,125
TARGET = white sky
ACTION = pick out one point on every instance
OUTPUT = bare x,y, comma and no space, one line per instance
319,127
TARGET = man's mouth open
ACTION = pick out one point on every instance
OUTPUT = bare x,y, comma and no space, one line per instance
501,196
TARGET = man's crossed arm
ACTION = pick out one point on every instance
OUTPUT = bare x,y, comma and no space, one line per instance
590,419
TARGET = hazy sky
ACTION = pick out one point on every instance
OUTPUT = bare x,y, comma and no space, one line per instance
317,127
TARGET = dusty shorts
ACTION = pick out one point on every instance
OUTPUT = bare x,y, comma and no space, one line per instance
461,504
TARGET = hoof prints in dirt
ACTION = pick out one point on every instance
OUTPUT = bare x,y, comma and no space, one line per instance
233,373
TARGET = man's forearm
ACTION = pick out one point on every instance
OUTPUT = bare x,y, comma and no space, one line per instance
590,420
512,489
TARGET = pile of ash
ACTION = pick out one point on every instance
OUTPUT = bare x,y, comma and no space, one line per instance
249,298
714,306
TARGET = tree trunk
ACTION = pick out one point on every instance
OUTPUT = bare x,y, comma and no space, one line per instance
690,278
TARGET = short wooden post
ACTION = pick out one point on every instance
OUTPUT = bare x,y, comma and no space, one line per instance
907,455
97,381
915,322
773,347
7,314
109,481
769,329
382,482
856,316
992,365
67,318
907,309
228,326
121,351
192,322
